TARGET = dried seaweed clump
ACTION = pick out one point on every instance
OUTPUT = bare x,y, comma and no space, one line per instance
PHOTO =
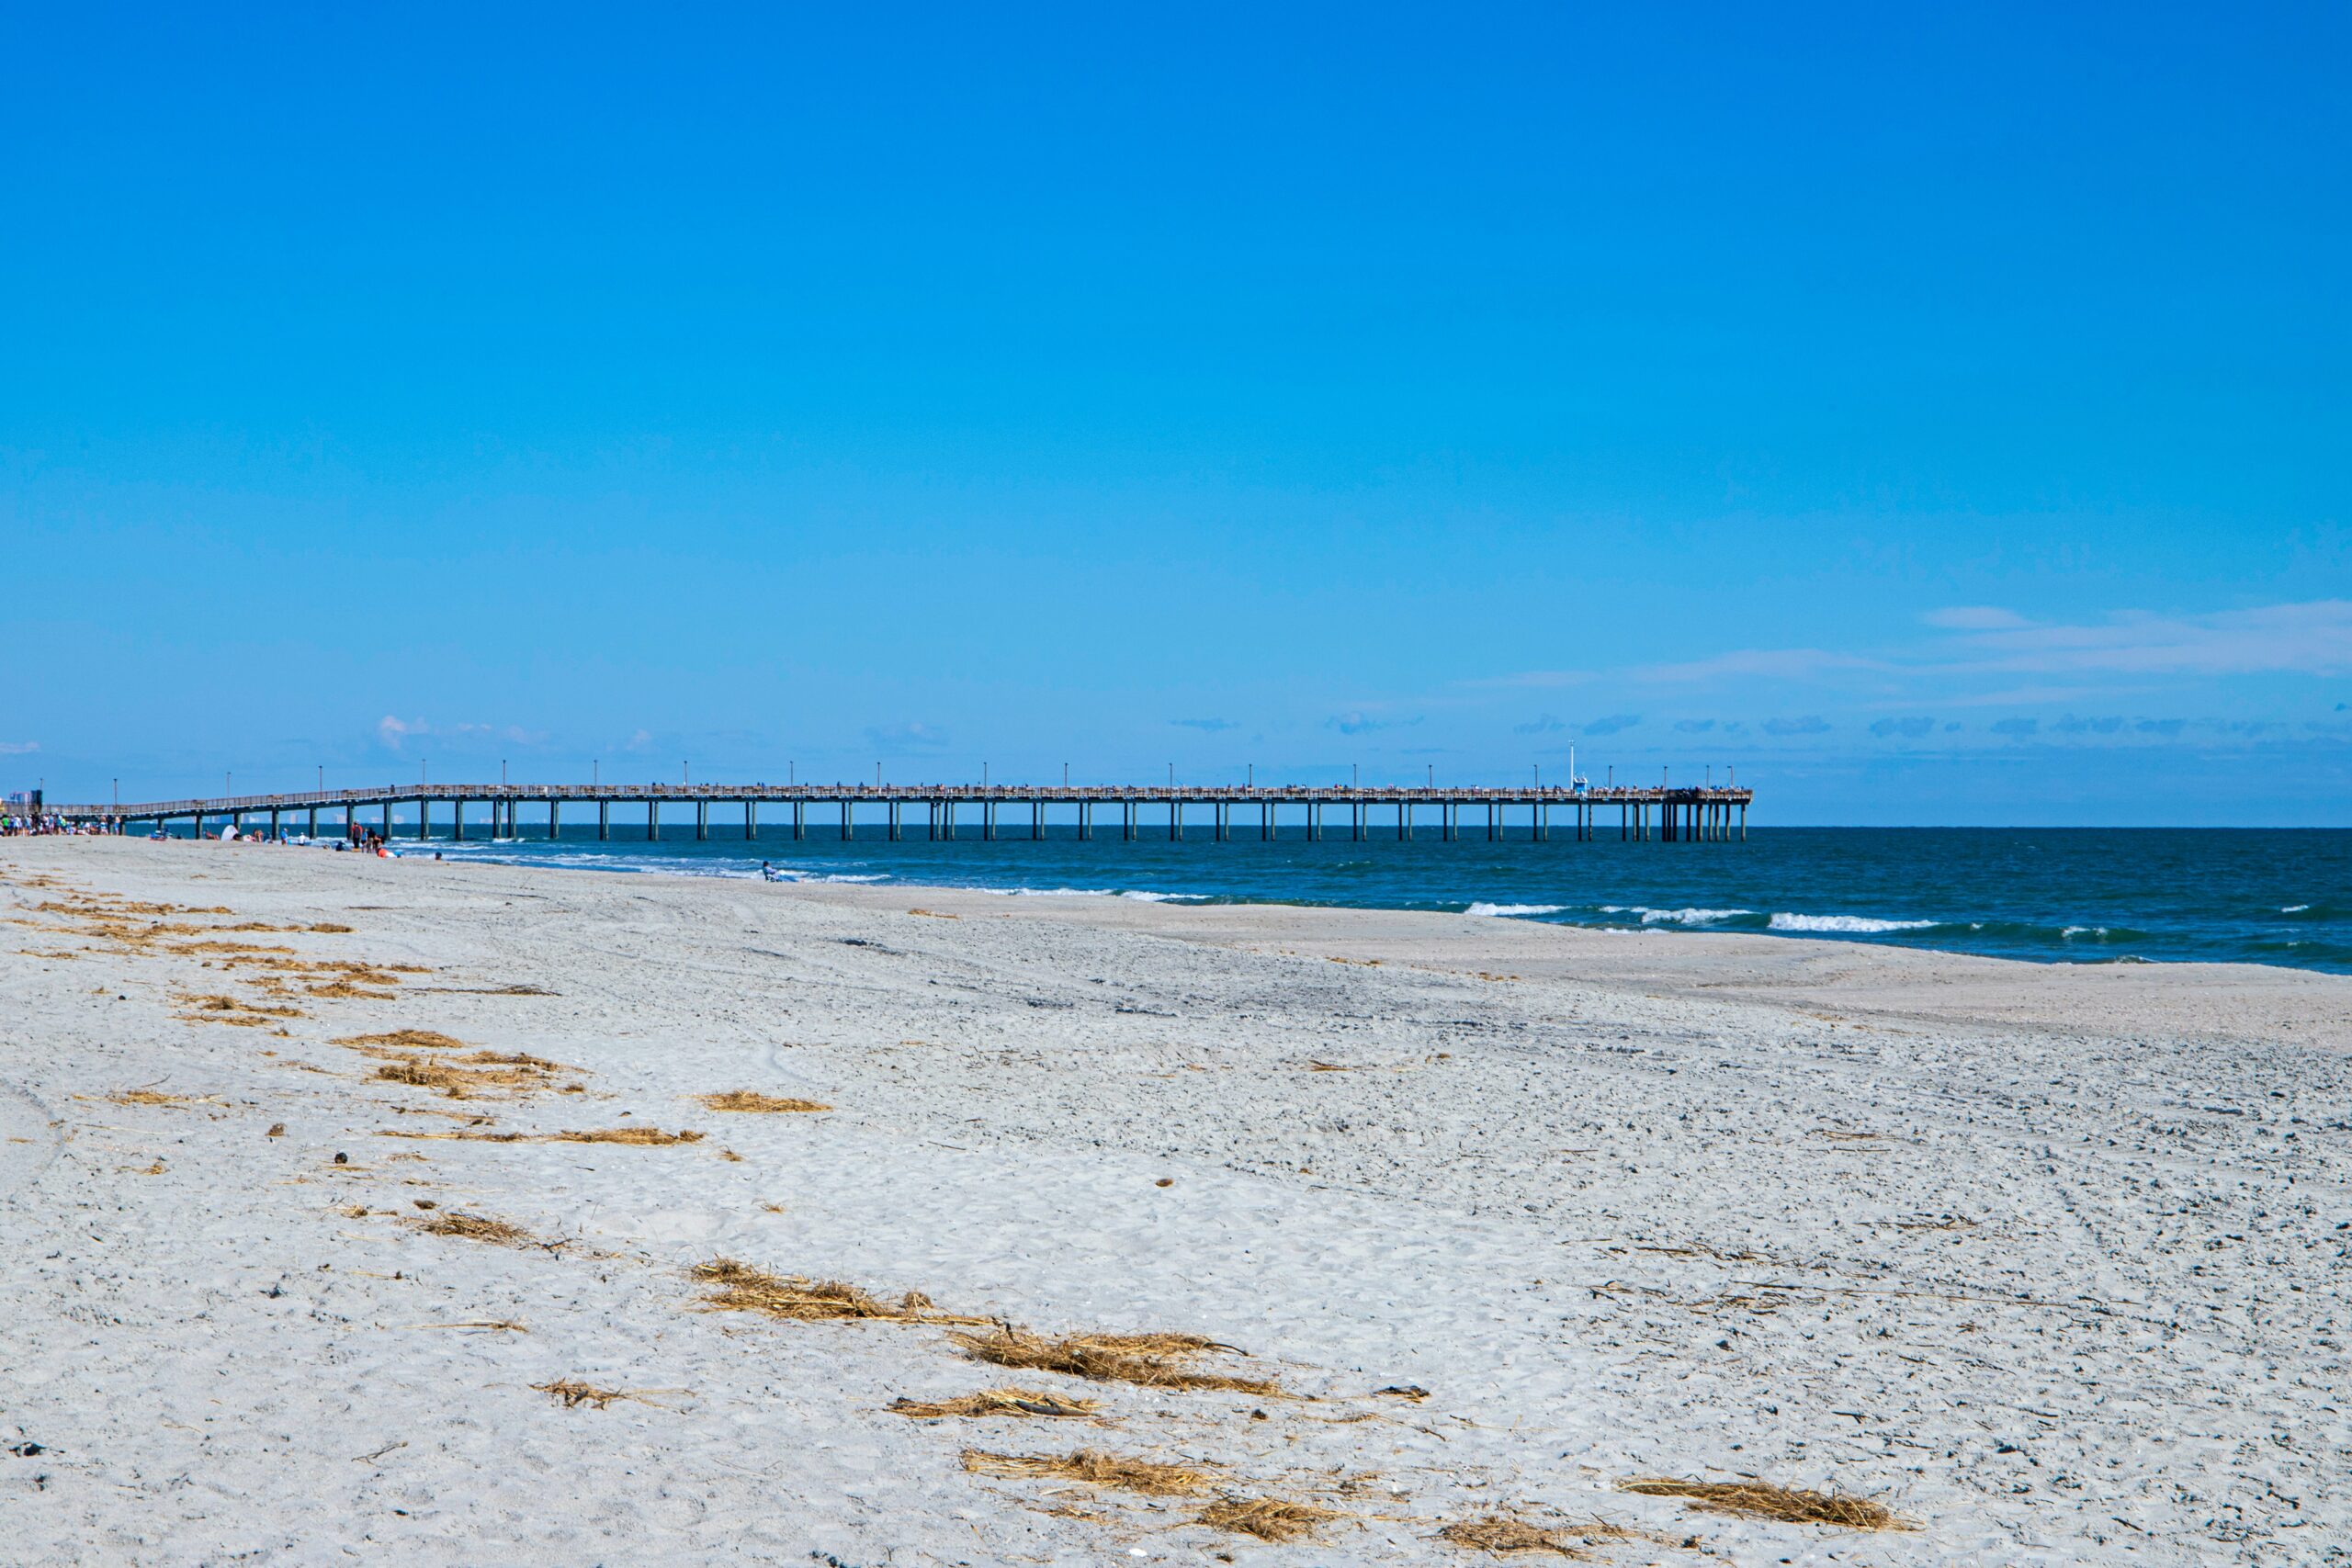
1761,1500
1095,1467
653,1137
749,1099
462,1135
1268,1519
1504,1536
572,1393
1016,1402
405,1039
1154,1360
739,1287
457,1076
475,1227
148,1097
231,1010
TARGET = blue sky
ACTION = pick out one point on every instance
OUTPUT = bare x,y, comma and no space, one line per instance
1939,417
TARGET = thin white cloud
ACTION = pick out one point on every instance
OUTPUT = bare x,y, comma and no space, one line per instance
1355,721
2311,639
2024,696
1775,663
393,730
912,736
2083,675
1975,618
1540,678
19,747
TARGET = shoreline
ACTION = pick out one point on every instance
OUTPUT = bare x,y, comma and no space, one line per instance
1973,920
2015,1254
2235,1001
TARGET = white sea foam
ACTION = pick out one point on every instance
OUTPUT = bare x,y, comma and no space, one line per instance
2292,909
1050,892
1686,916
1514,908
1142,896
576,860
1781,922
2072,932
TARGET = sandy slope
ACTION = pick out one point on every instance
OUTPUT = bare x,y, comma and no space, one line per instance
2047,1261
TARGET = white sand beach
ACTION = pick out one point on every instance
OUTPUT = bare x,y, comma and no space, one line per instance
2047,1262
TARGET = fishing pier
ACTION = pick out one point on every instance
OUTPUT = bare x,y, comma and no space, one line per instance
1696,815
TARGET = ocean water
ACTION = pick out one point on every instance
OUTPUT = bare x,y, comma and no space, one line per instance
2076,896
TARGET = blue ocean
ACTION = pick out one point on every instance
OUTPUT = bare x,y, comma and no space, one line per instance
2071,896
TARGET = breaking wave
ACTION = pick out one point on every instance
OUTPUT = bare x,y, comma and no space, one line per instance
1855,923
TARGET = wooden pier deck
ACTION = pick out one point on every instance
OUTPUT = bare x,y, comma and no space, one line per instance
1694,815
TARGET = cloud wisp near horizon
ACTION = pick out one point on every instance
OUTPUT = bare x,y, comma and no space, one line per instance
1973,657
